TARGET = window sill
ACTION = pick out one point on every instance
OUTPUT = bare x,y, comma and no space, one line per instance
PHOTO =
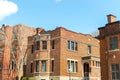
41,72
114,50
44,50
72,50
72,72
37,50
94,67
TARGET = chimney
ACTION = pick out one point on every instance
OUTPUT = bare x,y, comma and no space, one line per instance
111,18
39,30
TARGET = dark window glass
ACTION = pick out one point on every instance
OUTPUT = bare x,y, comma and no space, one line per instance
37,66
89,49
12,65
76,45
113,75
37,45
113,67
117,75
43,66
31,67
44,44
115,72
68,66
113,43
53,44
72,45
76,65
68,44
32,48
52,65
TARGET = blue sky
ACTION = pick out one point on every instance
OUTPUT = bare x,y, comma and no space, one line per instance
84,16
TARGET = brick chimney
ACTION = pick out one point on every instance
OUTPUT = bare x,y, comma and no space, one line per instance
39,30
111,18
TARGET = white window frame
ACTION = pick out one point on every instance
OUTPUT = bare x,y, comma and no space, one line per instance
72,68
115,71
74,44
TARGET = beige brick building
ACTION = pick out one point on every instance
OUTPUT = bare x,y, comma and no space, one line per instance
62,54
110,49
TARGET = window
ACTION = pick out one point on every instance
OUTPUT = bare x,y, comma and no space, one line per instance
12,65
44,44
113,43
32,48
115,72
44,66
72,45
97,64
72,66
37,45
53,44
89,49
31,67
37,66
52,64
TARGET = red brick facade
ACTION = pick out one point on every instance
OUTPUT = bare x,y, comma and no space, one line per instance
58,54
110,49
62,55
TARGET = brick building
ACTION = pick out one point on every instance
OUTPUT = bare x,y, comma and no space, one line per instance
110,49
62,54
12,41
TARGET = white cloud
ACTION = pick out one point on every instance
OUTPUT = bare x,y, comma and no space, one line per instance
7,8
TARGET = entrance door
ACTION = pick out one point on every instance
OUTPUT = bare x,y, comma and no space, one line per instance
86,71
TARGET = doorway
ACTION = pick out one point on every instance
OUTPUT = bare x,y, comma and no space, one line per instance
86,71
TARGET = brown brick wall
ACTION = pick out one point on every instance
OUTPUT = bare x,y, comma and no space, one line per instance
107,55
61,53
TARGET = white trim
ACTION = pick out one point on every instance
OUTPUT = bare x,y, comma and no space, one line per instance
72,59
58,77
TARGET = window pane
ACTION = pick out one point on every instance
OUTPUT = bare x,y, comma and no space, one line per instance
113,43
52,65
43,66
76,66
53,44
117,75
89,49
72,66
68,66
113,75
117,67
31,68
44,44
37,66
68,44
113,67
72,45
115,72
37,45
76,45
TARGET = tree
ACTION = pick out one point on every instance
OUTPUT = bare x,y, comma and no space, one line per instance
95,33
15,39
19,44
